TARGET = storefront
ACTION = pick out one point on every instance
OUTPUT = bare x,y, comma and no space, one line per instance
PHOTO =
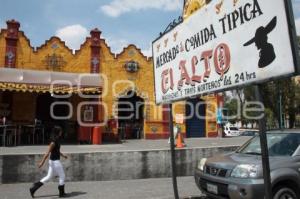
33,102
113,91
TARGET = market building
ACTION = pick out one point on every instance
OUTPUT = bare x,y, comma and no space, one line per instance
87,87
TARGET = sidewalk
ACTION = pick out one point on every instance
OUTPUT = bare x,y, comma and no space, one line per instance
128,145
160,188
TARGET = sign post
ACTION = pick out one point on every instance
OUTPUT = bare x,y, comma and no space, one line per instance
227,45
264,147
172,147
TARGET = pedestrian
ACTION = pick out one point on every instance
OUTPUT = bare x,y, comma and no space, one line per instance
55,166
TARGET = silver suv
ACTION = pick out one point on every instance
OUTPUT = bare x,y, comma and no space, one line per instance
239,174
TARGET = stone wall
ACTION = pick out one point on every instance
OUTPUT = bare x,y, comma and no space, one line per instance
103,166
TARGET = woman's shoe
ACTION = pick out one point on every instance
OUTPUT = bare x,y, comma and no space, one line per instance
35,187
61,189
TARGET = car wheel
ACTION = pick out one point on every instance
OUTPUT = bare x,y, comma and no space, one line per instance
285,193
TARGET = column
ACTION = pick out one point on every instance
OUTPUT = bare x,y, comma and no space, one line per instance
11,43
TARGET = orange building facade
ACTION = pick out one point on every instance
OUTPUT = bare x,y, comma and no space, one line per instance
122,103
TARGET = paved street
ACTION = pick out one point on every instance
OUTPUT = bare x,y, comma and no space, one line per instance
128,145
127,189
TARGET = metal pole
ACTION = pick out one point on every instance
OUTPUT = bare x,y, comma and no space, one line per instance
280,110
172,147
264,148
280,105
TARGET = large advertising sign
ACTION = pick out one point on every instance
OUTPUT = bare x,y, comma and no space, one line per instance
225,44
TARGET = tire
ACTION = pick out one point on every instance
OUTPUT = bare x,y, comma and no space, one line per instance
285,193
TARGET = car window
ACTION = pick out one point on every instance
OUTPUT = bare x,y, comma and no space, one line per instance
279,144
248,133
233,128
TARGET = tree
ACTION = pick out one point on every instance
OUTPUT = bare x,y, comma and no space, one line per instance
231,107
243,95
289,92
270,119
287,89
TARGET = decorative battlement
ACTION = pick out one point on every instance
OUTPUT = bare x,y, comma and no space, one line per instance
13,33
55,55
12,29
95,37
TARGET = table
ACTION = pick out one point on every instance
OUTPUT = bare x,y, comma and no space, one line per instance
34,129
8,128
3,127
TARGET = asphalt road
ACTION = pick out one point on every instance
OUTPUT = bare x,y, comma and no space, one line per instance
161,188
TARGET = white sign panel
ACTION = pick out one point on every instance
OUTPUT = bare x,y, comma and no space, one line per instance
223,45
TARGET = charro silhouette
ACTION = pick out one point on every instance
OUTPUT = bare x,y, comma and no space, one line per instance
266,54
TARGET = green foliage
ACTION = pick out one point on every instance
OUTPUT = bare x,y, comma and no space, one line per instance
287,89
270,119
231,107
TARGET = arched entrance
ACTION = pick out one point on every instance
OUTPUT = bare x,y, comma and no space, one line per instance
130,116
195,114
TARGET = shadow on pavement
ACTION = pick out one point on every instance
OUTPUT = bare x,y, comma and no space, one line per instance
195,197
75,193
69,195
46,196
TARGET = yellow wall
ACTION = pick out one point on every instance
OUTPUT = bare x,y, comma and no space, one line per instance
211,110
120,81
111,66
2,48
191,6
27,58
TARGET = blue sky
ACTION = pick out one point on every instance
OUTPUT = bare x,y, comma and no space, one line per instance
122,22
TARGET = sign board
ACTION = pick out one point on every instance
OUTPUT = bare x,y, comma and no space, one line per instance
179,118
225,44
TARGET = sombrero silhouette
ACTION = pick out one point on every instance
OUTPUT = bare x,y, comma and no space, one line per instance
267,54
262,31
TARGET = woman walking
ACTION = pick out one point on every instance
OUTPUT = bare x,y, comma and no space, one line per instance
55,166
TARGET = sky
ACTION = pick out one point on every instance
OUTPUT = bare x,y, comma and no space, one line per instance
122,22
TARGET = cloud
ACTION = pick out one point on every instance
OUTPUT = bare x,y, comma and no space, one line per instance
119,7
148,52
73,35
117,45
297,23
2,24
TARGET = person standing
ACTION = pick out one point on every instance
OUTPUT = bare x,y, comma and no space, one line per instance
55,166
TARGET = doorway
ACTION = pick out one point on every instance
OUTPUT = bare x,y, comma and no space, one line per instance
131,116
43,104
195,114
43,114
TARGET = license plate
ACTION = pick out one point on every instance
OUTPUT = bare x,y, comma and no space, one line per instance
212,188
